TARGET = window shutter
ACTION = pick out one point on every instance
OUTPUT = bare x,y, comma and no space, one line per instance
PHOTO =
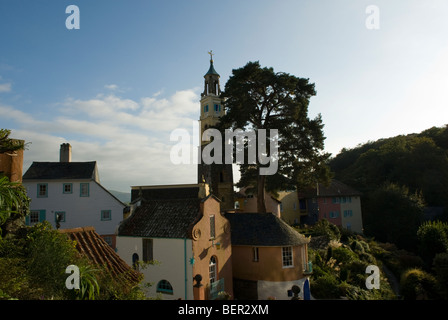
42,215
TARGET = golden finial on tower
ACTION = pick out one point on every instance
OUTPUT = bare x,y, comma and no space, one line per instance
211,55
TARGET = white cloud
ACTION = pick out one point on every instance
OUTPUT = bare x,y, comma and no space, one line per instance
128,139
5,87
111,87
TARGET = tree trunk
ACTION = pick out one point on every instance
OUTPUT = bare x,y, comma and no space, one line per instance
261,205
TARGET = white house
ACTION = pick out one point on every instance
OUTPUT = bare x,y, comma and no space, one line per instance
71,193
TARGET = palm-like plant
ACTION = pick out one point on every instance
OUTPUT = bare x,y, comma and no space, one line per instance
89,287
13,200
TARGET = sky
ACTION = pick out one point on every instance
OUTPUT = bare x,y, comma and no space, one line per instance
118,86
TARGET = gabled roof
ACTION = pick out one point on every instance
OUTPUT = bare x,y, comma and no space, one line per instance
162,218
335,189
262,229
61,170
92,246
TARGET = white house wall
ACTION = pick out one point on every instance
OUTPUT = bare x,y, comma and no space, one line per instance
173,264
354,223
79,211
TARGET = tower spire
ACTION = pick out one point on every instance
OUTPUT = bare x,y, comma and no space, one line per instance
218,176
211,83
211,55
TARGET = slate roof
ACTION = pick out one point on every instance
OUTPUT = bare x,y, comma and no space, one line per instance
92,246
211,70
61,170
162,218
262,229
165,192
335,189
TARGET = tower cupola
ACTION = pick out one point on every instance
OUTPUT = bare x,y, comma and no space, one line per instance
211,83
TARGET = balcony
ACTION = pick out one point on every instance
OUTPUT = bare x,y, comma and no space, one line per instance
308,268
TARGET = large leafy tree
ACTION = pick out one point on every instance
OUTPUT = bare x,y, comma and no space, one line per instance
258,98
393,214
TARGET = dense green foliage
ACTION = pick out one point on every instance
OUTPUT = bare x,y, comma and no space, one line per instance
33,266
433,239
340,262
418,284
340,271
398,177
14,203
392,214
416,161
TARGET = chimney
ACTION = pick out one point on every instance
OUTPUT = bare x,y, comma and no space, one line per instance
65,154
204,190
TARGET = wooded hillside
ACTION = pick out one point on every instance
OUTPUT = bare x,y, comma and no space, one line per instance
398,177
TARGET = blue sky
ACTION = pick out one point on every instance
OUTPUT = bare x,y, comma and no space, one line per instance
116,88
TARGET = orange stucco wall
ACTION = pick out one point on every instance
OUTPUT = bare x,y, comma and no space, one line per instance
269,266
204,248
12,166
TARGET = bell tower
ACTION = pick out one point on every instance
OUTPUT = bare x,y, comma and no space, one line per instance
218,176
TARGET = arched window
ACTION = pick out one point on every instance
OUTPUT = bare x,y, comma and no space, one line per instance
164,287
212,269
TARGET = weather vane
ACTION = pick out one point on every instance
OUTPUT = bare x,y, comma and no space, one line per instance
211,55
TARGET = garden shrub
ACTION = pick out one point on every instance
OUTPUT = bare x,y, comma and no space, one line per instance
355,272
325,228
417,284
440,265
433,238
367,257
49,253
357,247
325,287
343,255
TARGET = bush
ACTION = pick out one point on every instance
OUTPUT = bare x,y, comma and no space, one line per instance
417,284
325,287
441,270
367,257
343,255
325,228
49,253
433,238
355,272
359,246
